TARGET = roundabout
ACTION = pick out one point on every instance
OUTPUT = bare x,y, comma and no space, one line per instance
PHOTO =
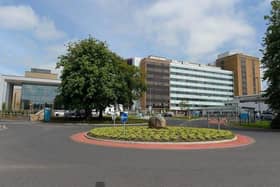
44,155
171,138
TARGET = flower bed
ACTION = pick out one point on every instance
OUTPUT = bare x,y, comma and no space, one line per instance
169,134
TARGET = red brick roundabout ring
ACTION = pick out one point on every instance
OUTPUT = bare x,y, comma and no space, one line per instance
238,141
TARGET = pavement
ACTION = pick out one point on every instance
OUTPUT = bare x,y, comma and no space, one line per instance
44,155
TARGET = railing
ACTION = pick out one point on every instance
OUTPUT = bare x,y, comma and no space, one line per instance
15,115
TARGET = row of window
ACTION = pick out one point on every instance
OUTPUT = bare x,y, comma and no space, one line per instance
160,71
201,94
158,76
191,106
193,99
201,76
158,80
202,82
204,71
202,88
158,65
158,92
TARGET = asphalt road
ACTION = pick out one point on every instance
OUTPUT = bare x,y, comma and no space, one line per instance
43,155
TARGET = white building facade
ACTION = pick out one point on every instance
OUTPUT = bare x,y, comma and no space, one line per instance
33,88
196,86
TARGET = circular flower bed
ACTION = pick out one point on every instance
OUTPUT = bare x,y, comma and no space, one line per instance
169,134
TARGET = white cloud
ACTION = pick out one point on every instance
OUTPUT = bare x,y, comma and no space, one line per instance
24,18
47,30
198,28
17,17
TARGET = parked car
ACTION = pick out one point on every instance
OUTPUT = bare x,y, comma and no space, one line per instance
74,114
59,113
267,116
168,114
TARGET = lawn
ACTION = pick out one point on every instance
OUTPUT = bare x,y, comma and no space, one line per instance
258,124
169,134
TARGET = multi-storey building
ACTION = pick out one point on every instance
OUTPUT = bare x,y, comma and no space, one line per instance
156,70
199,86
175,85
246,71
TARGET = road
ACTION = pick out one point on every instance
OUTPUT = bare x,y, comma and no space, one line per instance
43,155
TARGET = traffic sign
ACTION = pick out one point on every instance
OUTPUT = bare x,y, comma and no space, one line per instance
244,116
124,117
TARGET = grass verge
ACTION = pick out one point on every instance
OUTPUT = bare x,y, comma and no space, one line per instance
257,124
169,134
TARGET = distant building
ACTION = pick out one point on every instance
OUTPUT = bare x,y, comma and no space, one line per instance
157,71
246,72
33,91
253,102
171,83
135,61
199,85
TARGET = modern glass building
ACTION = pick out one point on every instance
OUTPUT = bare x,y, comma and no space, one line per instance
37,95
174,85
37,89
196,86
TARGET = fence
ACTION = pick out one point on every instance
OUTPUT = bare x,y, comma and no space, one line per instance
15,115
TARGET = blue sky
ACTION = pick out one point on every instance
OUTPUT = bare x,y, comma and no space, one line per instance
34,33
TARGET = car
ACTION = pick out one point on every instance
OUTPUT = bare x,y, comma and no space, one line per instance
74,114
168,114
267,116
59,113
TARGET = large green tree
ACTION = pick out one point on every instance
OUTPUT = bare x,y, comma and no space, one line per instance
271,57
93,77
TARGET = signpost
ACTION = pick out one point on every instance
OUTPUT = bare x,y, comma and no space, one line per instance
150,109
114,116
244,117
124,118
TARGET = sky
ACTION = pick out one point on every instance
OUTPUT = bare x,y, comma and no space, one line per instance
34,33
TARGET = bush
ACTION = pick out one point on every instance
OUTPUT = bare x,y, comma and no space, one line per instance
275,124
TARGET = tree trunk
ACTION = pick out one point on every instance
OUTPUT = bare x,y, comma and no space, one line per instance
100,114
88,114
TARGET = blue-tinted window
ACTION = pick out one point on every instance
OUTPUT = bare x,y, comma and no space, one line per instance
38,95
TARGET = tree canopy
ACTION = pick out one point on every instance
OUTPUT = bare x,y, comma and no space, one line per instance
271,56
93,77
